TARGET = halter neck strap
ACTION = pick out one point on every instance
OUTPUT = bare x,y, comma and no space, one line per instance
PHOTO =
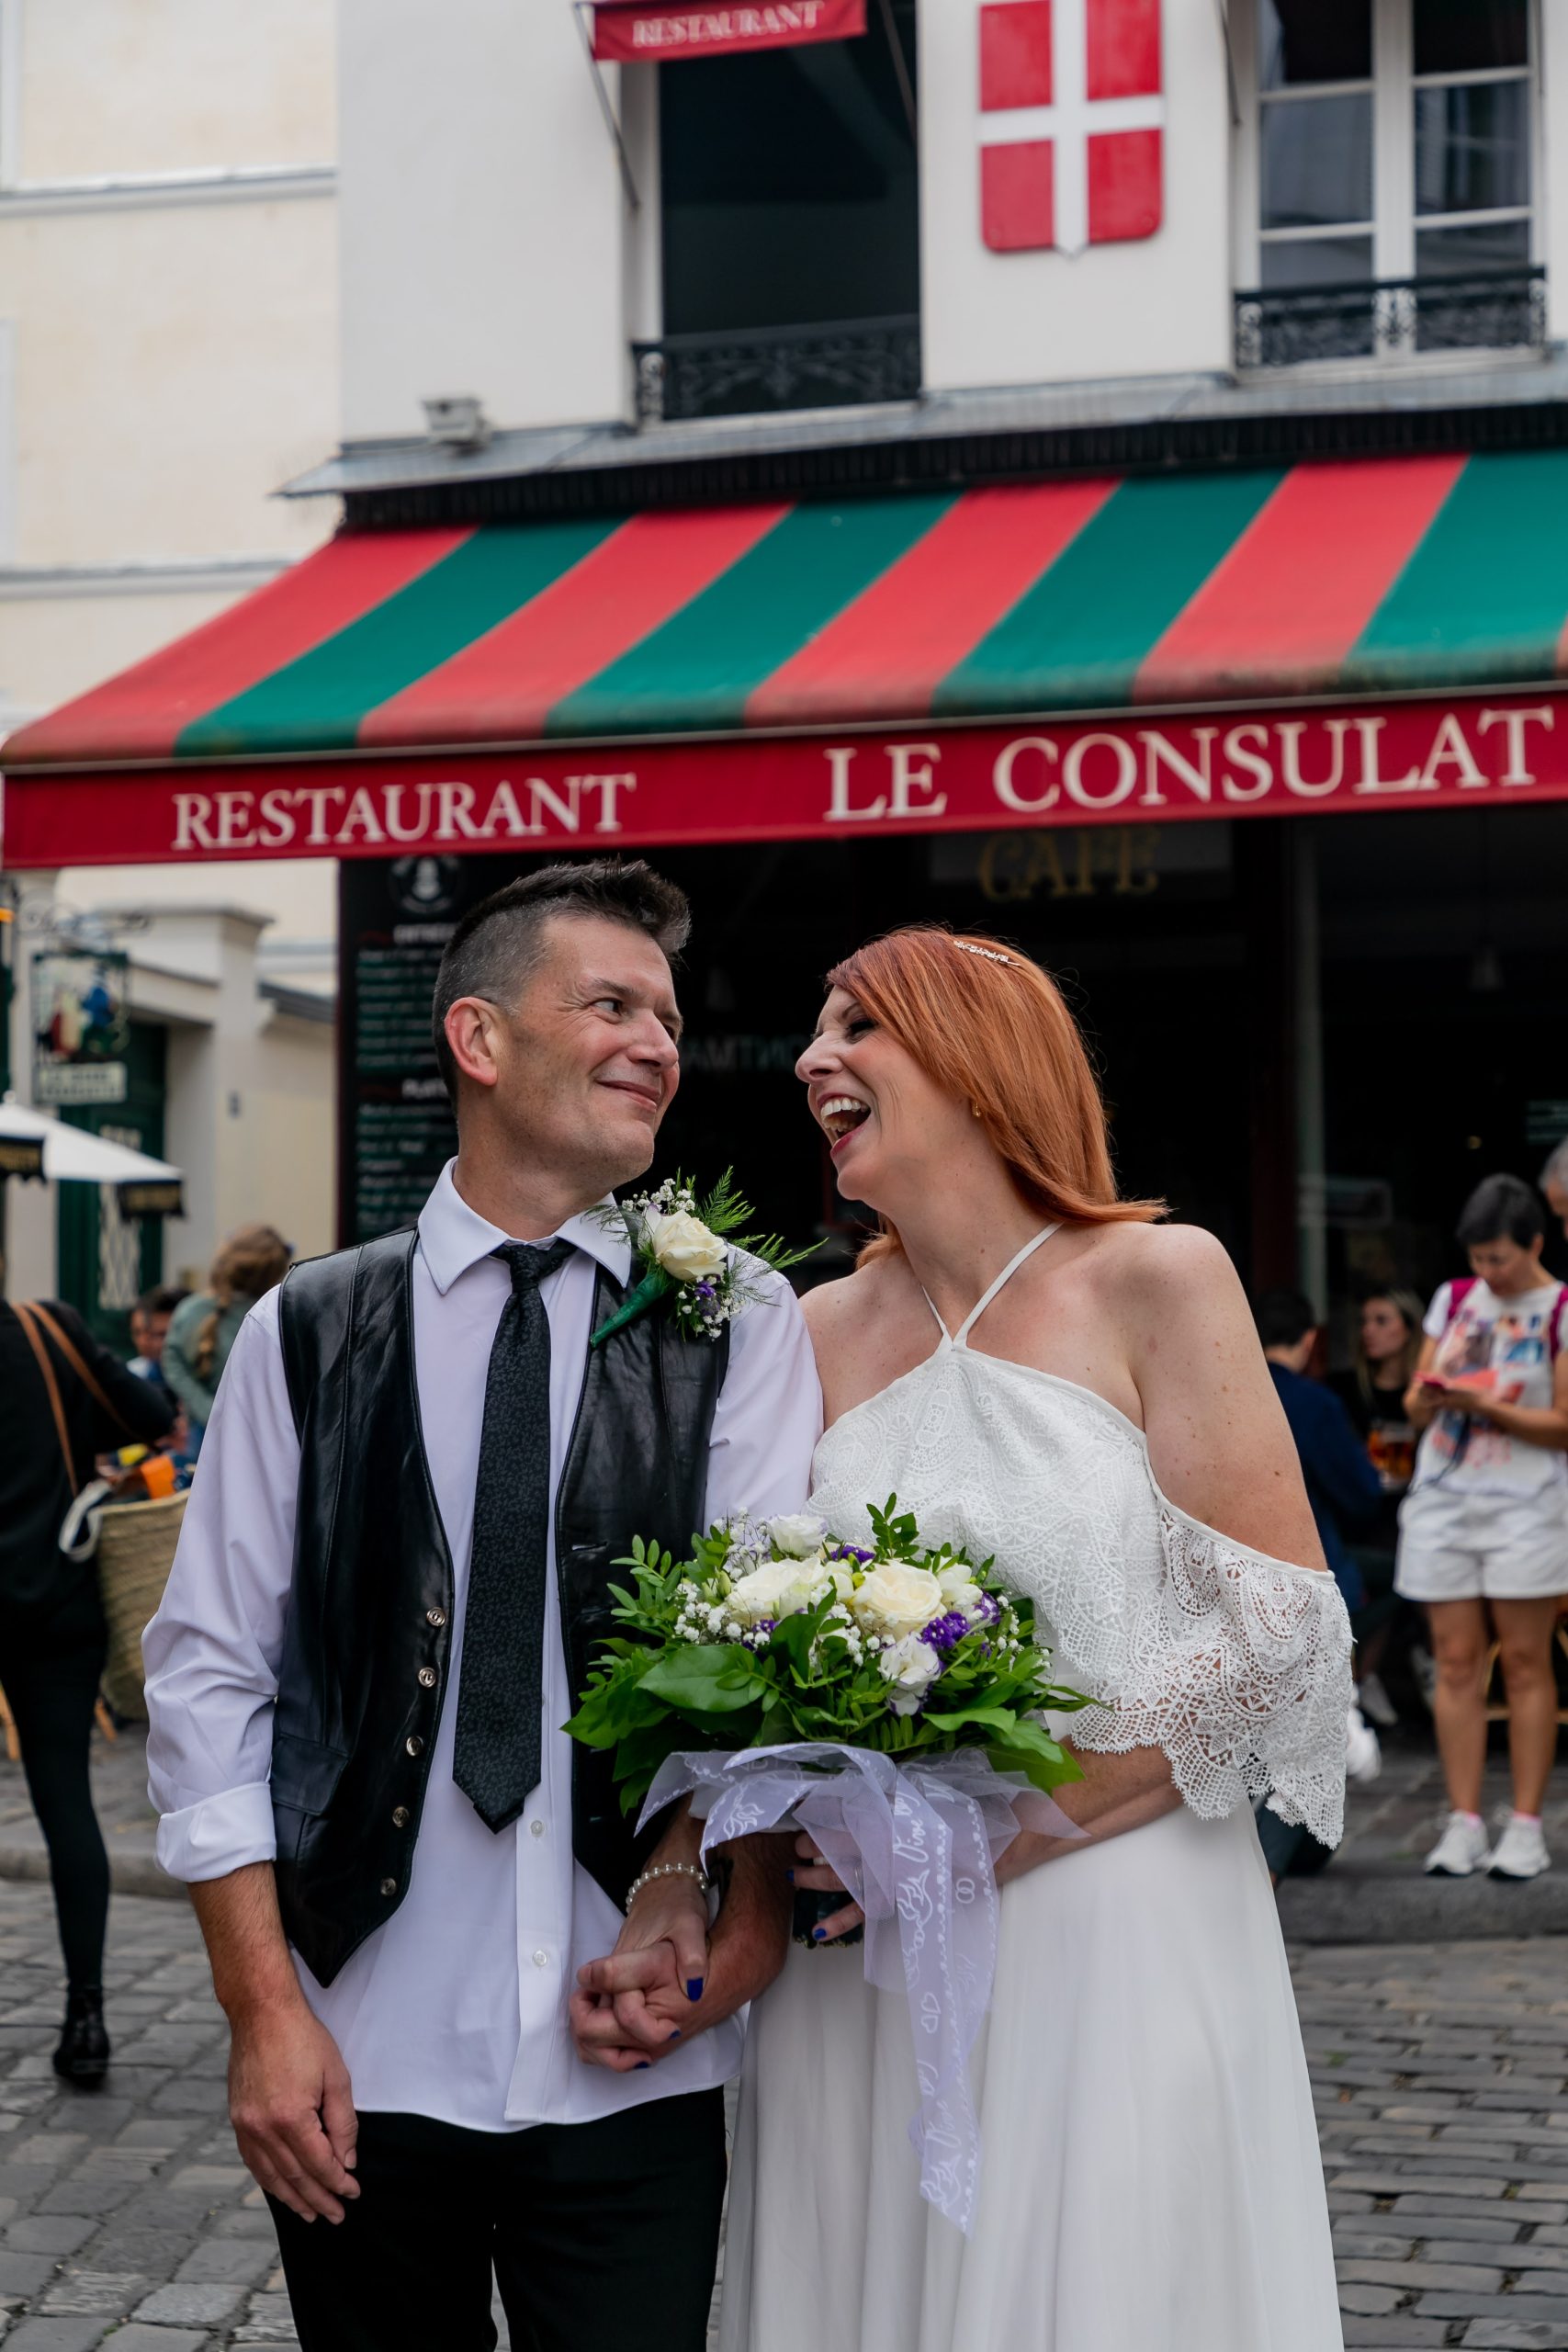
959,1339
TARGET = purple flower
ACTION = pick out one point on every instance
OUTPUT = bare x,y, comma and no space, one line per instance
988,1610
851,1552
706,1290
943,1632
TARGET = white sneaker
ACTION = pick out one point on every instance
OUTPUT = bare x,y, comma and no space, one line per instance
1520,1852
1459,1852
1376,1704
1364,1755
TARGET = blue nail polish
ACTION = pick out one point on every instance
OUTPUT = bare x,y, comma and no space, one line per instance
818,1934
790,1875
693,1988
641,2067
674,2033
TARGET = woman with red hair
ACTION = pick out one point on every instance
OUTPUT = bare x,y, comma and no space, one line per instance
1048,1375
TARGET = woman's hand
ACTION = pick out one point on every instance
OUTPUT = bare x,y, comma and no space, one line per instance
628,2009
812,1875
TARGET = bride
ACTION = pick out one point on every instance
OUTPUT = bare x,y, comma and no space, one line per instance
1043,1374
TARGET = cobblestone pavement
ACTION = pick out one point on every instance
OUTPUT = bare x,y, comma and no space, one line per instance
1442,2075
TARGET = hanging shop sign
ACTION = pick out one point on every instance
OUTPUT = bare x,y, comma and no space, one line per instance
630,31
82,1030
21,1156
1474,751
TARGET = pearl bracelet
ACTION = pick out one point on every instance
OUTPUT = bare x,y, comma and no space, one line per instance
669,1870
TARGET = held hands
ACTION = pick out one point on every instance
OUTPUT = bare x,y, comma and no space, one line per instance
630,2010
668,1977
292,2108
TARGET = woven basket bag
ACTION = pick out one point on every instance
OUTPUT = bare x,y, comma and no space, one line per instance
136,1551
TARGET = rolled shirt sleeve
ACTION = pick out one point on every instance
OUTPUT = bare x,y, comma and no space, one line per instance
212,1651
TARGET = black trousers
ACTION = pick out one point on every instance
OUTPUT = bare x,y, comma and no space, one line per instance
602,2237
50,1668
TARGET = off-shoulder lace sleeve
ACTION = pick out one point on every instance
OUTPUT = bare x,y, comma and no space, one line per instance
1239,1667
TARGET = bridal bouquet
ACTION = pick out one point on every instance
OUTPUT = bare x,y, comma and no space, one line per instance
886,1699
773,1631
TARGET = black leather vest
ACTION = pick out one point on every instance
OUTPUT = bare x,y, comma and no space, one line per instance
368,1645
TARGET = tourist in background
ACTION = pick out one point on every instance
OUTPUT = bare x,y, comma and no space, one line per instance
1485,1526
150,1320
1554,1183
67,1399
1344,1491
252,1260
1387,1349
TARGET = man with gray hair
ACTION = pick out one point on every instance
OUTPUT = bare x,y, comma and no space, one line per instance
392,1578
1554,1183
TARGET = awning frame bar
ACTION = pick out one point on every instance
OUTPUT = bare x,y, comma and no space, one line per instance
582,10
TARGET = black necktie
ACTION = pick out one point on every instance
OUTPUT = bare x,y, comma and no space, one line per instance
500,1688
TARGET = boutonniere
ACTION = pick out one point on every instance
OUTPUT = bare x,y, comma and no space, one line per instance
689,1253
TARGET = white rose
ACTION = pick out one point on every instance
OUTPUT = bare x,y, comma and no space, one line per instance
959,1590
683,1246
896,1599
798,1536
911,1665
778,1588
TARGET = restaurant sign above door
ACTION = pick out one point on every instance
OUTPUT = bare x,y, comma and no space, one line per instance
1463,752
632,31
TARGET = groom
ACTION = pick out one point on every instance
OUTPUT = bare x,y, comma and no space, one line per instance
393,1573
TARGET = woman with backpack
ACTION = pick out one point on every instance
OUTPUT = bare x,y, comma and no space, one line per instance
67,1400
1485,1526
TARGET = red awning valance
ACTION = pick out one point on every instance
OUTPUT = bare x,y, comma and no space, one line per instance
625,32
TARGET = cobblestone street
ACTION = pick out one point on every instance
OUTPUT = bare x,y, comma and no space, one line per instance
1442,2072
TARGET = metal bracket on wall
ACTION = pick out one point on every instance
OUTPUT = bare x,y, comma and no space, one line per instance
583,11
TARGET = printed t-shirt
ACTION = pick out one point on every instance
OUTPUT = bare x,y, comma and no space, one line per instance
1512,1339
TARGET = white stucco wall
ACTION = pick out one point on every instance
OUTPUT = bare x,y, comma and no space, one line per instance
1152,306
481,216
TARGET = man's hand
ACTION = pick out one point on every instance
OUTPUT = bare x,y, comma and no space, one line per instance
292,2108
634,2007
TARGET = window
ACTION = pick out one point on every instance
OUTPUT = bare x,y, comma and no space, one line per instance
1394,176
788,211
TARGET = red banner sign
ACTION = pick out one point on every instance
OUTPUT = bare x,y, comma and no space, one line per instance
625,32
1473,751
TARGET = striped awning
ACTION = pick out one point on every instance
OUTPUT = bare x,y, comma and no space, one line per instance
486,655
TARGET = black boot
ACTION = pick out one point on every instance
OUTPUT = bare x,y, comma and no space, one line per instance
83,2056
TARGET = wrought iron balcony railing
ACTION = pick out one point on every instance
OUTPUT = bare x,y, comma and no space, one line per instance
837,365
1494,310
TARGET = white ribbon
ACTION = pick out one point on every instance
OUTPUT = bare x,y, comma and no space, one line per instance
916,1844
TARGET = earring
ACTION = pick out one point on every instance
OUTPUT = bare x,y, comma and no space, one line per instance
975,1107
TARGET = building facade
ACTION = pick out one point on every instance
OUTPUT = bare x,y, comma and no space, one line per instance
168,354
1092,469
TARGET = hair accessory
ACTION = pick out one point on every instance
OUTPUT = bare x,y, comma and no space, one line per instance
991,955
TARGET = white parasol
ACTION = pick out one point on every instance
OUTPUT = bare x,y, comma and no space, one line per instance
76,1156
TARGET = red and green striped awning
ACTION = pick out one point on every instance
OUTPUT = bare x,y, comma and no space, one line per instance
779,657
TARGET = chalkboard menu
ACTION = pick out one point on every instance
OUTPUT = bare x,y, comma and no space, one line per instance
396,1126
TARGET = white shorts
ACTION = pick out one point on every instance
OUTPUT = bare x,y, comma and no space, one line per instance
1458,1546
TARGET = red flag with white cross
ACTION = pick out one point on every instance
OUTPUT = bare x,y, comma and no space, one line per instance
1072,111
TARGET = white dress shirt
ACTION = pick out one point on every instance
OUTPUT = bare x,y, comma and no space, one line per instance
456,2007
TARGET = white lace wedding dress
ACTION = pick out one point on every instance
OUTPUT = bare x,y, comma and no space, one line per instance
1150,2173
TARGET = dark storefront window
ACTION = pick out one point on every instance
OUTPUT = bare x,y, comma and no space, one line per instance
1441,975
1444,979
789,207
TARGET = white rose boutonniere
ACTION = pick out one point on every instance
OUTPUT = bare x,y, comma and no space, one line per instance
684,1246
682,1253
